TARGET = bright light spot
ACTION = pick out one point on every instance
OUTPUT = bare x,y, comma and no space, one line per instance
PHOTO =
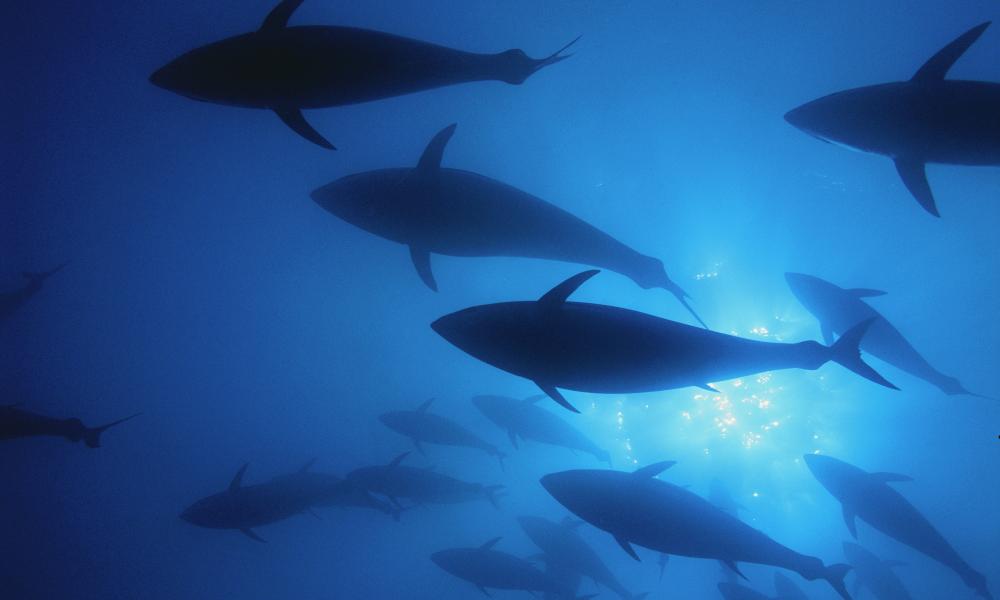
755,494
761,331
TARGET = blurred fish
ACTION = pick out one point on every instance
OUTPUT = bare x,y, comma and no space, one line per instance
637,508
927,119
11,301
245,507
875,574
16,423
839,309
421,426
457,213
487,568
322,490
867,495
522,418
605,349
420,486
718,494
563,547
287,69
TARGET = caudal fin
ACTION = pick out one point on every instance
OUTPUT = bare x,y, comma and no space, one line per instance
515,66
834,575
92,436
846,353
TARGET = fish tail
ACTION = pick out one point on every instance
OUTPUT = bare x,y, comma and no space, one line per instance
847,353
92,436
834,575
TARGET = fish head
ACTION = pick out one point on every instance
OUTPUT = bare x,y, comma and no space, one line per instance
215,512
494,407
539,530
455,561
812,292
510,335
384,202
229,72
834,474
397,420
593,495
866,119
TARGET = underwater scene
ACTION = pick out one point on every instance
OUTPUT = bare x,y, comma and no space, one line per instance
441,299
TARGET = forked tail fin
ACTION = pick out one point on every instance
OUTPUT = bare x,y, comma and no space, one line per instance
92,436
845,352
516,66
683,298
834,575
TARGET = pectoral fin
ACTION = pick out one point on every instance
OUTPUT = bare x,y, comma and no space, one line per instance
734,568
513,438
422,262
557,396
914,176
627,547
849,520
292,117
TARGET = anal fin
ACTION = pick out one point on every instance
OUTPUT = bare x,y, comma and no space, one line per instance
556,395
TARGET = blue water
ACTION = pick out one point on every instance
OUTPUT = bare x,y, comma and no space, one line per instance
208,292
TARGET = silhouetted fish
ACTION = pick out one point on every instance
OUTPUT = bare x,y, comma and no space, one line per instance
637,508
487,568
605,349
422,426
457,213
875,574
867,496
287,69
16,423
928,119
839,309
523,419
420,486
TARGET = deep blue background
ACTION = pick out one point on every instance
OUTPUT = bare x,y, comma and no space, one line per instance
209,292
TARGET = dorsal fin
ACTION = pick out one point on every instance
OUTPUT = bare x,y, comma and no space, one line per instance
395,462
490,543
426,404
557,296
430,161
654,469
937,67
278,17
865,292
308,465
237,481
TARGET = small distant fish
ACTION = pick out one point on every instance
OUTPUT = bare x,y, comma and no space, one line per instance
422,426
525,420
286,69
928,119
435,210
11,301
17,423
868,496
487,568
563,547
243,507
420,486
609,350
